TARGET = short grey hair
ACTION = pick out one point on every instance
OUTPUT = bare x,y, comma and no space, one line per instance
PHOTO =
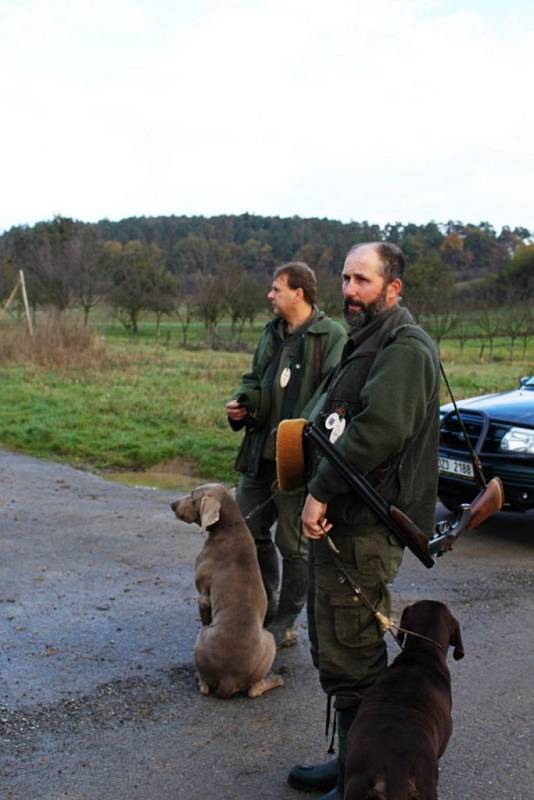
391,256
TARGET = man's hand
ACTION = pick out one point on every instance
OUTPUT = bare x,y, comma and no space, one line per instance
235,411
314,521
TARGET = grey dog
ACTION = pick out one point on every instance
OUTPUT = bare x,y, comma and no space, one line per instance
233,652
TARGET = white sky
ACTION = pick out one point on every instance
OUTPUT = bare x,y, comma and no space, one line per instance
385,110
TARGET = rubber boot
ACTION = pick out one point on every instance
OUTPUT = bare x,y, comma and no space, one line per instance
270,573
291,602
317,778
344,721
330,775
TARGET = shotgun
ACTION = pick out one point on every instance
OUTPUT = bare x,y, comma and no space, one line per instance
424,547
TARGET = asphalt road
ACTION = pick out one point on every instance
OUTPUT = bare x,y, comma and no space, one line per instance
97,622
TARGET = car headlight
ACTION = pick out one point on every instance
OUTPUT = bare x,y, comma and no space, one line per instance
518,440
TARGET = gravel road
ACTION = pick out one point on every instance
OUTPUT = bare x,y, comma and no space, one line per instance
97,622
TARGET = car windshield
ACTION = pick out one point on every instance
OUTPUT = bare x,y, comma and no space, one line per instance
529,383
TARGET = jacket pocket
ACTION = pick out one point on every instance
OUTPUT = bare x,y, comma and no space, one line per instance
378,554
354,623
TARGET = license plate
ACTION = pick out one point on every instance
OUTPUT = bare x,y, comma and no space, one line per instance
463,469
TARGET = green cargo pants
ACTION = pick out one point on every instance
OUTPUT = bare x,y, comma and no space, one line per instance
347,643
284,509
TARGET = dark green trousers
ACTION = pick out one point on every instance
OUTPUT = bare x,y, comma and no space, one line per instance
284,510
347,642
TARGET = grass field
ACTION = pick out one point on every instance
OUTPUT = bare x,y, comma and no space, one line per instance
151,412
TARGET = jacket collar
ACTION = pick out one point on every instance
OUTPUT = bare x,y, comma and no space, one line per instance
318,323
384,322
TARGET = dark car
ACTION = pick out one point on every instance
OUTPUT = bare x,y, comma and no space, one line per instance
501,430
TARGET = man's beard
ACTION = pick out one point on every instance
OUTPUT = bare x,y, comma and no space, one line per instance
364,313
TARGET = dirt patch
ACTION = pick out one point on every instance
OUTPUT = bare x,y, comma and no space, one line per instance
177,474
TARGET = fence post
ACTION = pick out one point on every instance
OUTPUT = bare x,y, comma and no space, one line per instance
25,301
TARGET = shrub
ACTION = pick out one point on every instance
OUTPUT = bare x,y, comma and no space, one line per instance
58,343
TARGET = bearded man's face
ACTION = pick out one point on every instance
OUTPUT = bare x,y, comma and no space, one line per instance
358,313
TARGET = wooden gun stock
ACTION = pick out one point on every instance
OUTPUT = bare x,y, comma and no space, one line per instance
410,529
486,503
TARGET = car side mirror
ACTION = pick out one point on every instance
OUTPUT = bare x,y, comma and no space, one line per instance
524,380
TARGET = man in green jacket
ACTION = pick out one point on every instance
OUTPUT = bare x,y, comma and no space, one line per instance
381,409
297,349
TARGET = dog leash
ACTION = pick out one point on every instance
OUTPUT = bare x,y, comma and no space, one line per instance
261,506
386,623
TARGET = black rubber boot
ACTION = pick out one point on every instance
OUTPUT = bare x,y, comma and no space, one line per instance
344,719
291,602
268,561
331,775
318,778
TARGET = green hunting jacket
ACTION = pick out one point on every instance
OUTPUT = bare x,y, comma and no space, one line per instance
387,389
310,352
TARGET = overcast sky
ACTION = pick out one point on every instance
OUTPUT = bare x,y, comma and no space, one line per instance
385,110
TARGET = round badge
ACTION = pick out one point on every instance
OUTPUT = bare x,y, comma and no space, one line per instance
331,421
285,375
337,430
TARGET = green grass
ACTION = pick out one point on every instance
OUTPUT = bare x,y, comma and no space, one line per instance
156,403
159,406
170,334
470,375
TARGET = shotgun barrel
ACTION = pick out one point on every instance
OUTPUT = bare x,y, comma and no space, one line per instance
397,522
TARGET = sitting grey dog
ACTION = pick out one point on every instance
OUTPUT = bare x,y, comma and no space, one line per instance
233,652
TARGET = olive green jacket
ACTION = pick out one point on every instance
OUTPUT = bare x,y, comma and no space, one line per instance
310,353
387,390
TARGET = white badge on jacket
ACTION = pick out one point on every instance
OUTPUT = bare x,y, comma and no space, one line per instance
336,425
285,375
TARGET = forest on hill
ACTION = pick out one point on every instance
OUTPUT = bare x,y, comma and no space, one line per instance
470,250
213,267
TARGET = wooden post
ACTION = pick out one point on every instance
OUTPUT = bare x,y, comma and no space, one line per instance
10,299
25,301
20,284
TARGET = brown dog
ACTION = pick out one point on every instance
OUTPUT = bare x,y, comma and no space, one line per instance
404,720
233,652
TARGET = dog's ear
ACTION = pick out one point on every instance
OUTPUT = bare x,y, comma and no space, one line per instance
209,511
456,640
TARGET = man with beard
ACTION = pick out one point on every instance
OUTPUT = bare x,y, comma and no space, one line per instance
382,411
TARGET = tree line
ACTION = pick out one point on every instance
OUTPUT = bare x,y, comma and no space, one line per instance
210,268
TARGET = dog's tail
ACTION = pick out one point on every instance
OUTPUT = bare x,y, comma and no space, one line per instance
397,781
226,688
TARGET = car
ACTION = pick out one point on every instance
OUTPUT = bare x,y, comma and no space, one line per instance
501,429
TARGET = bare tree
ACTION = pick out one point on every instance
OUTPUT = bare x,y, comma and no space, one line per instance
139,282
210,303
463,328
163,298
243,296
90,277
328,291
515,315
